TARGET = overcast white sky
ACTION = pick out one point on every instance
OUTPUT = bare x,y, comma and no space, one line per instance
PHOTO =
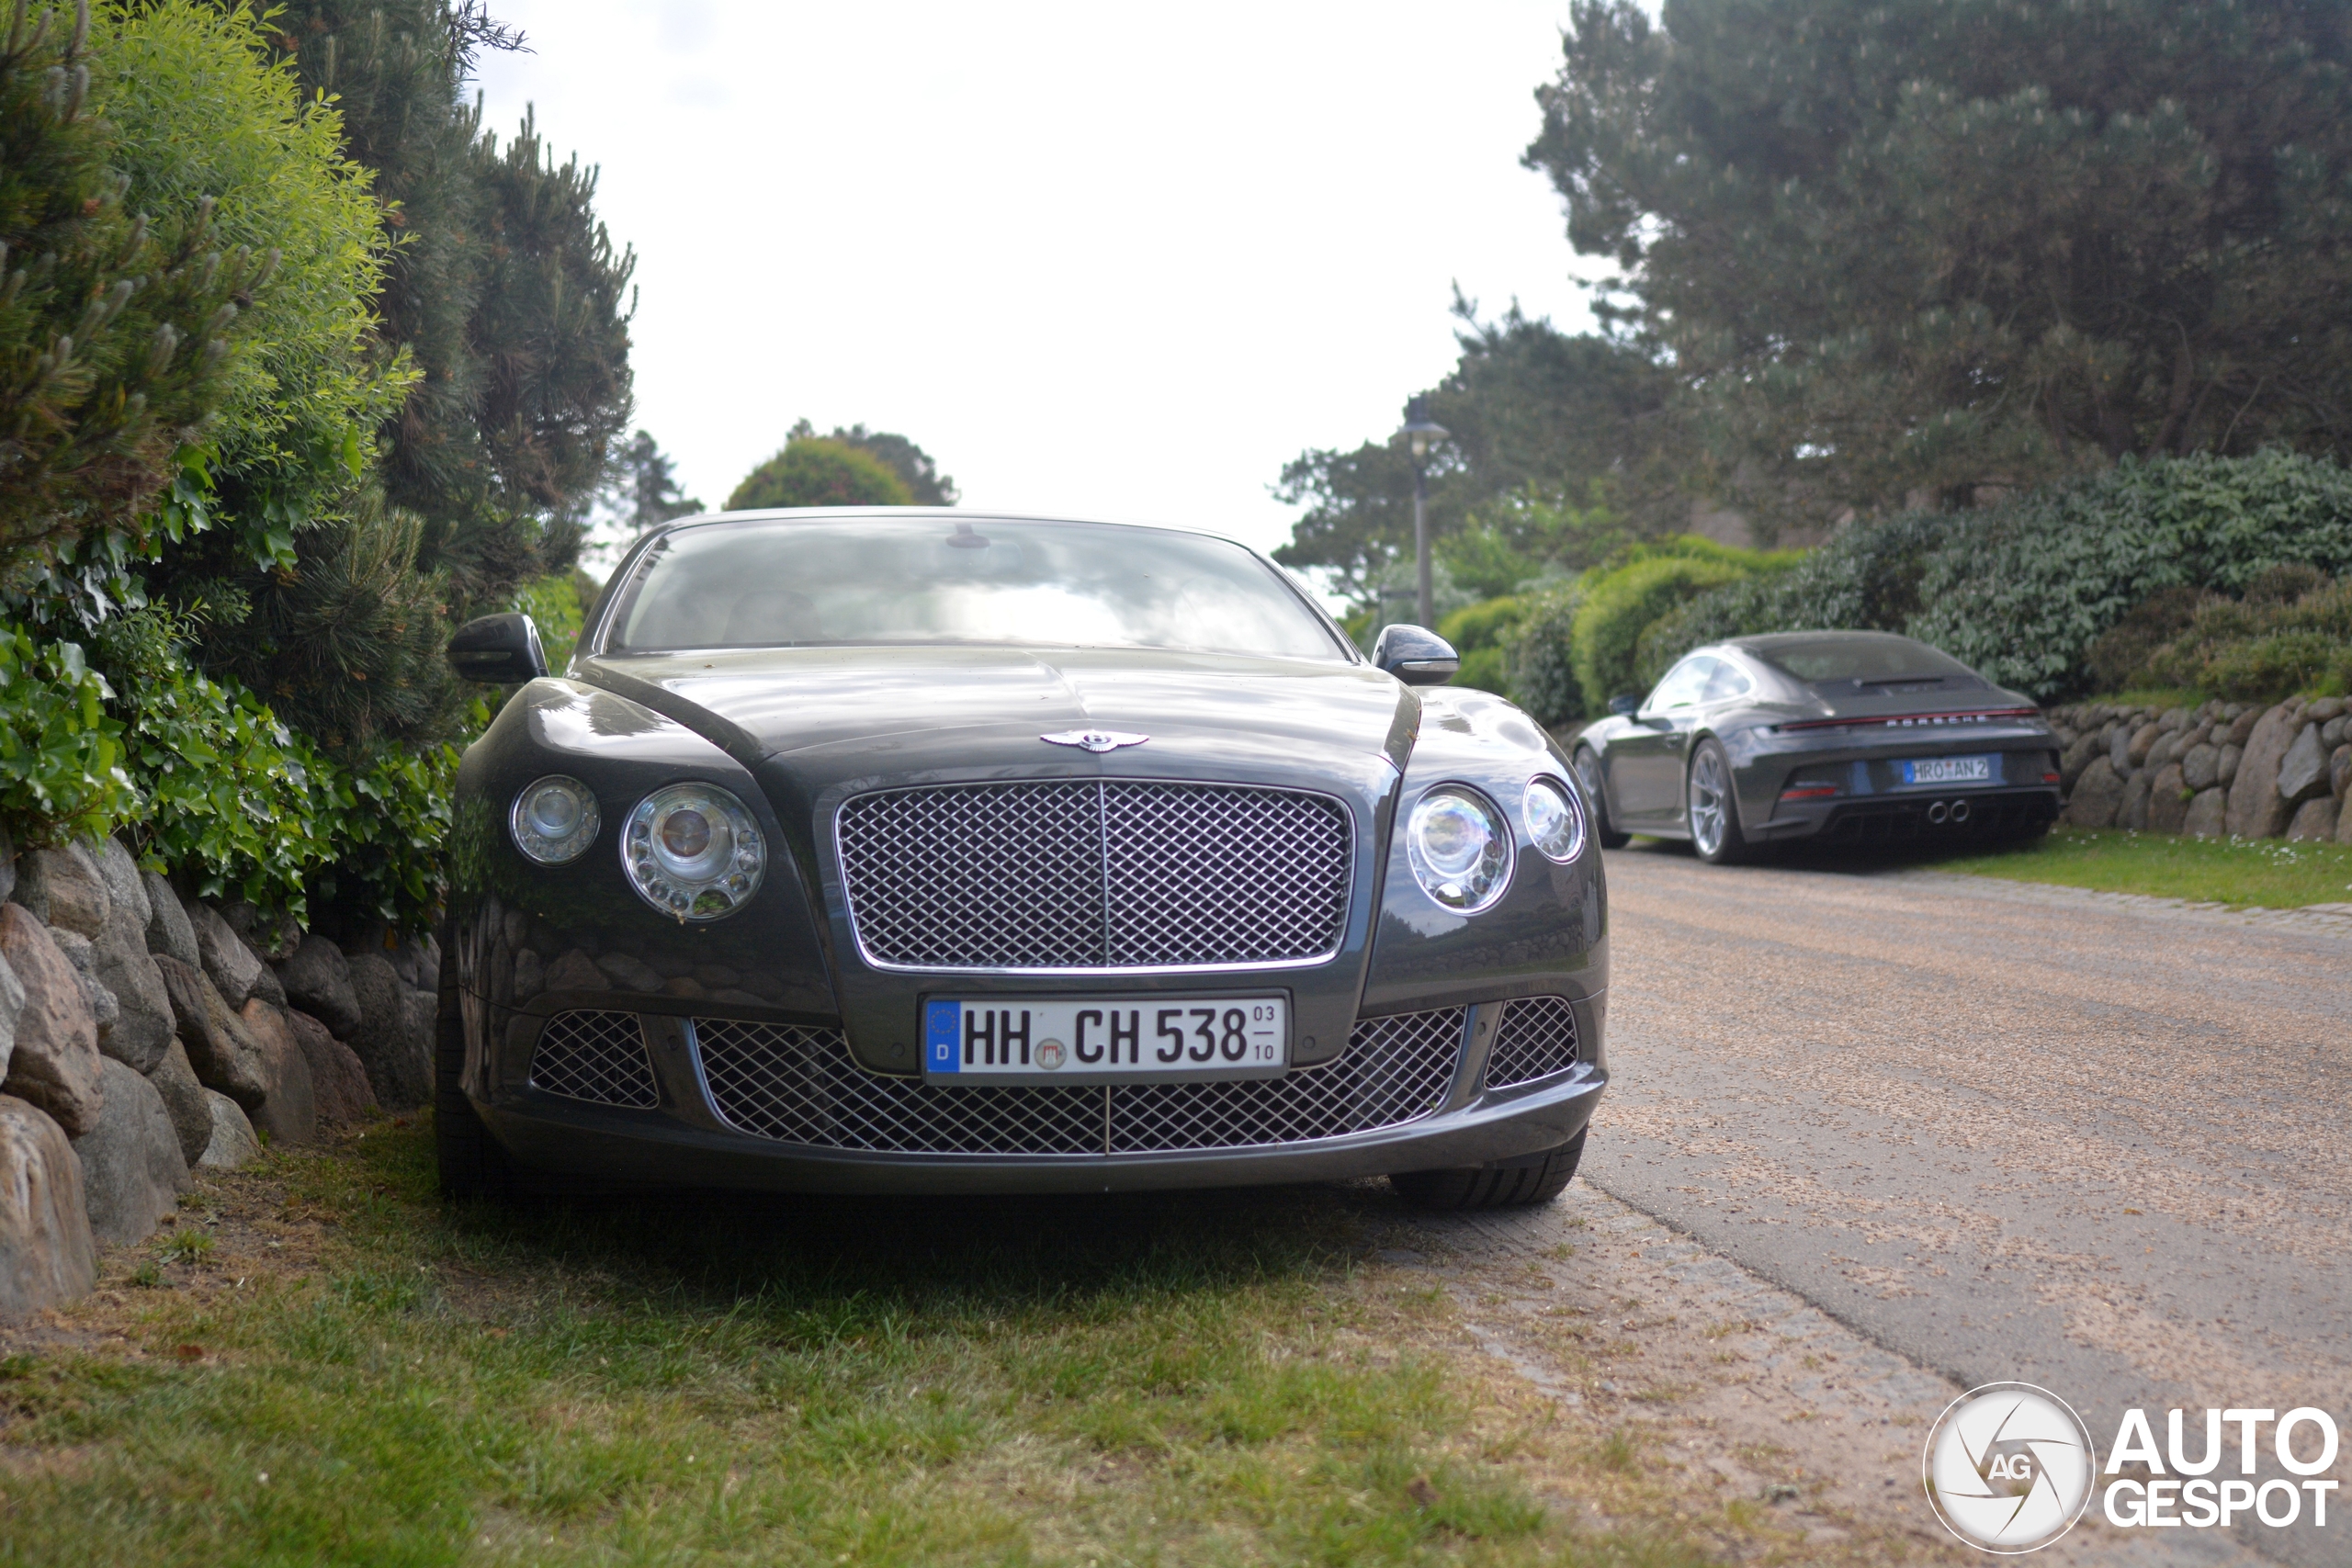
1105,260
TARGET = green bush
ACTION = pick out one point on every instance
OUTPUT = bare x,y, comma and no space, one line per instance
815,471
61,750
1540,658
1624,600
1478,634
2023,590
2291,632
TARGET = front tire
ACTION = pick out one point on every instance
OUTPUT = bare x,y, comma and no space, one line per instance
471,1162
1711,808
1521,1183
1587,764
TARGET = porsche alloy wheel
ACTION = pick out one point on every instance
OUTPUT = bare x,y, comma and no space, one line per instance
1714,814
1588,771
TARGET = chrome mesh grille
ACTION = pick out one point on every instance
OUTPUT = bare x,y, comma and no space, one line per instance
799,1085
596,1057
1095,875
1537,1038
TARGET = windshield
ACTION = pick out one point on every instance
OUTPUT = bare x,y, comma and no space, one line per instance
1867,661
902,580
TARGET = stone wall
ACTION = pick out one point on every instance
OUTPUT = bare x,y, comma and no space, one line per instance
144,1033
2223,770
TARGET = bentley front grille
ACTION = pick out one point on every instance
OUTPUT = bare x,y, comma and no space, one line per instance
799,1085
1095,875
1537,1038
596,1057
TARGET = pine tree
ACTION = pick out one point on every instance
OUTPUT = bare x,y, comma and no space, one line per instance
116,328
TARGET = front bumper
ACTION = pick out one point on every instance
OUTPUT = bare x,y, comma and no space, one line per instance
686,1139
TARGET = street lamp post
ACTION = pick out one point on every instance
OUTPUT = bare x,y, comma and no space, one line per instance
1419,431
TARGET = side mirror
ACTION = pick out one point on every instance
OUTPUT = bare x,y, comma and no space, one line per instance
502,650
1415,655
1624,705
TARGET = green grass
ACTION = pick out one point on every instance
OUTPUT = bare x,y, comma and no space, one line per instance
358,1373
2267,872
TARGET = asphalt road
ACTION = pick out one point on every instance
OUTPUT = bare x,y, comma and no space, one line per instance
2095,1143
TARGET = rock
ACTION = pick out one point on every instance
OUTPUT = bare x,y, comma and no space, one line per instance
575,971
289,1108
54,1064
232,1143
118,869
2097,794
12,1007
2077,758
47,1257
2201,766
2339,772
2241,725
104,1009
168,931
267,988
631,973
7,864
686,986
2143,739
2133,813
2325,710
530,975
2256,808
399,1063
2343,824
175,1080
2225,767
2118,748
62,888
270,938
226,959
224,1055
132,1170
2167,750
142,1028
2333,733
317,979
2168,801
2206,814
2303,772
2314,820
338,1083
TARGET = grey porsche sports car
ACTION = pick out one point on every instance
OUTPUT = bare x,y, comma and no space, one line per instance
906,851
1823,737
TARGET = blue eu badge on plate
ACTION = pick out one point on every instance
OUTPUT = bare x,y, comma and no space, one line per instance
943,1026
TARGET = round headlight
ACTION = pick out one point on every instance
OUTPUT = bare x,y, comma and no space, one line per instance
1554,821
554,820
1460,848
693,851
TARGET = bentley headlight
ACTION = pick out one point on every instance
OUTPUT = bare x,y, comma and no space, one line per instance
554,820
1554,821
1460,848
693,851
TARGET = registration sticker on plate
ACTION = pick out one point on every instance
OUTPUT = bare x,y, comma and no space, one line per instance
1947,770
997,1038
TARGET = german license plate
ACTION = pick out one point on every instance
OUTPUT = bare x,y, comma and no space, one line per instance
1947,771
993,1039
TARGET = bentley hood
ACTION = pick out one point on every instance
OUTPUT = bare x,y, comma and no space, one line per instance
842,712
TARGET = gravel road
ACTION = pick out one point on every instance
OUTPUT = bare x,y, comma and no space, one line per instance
2089,1141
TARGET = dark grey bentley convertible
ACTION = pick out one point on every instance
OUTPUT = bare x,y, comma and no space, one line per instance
1829,737
911,852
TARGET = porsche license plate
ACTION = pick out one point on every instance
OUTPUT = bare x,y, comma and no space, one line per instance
1947,770
994,1039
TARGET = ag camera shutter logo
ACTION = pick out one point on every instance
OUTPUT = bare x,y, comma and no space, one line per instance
2008,1467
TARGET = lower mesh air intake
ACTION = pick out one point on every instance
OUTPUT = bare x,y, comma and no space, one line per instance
800,1086
1537,1038
596,1057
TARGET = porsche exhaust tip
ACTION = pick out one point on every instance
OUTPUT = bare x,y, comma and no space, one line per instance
1958,811
1937,811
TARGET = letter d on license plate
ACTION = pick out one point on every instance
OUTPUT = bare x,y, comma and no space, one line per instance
1131,1040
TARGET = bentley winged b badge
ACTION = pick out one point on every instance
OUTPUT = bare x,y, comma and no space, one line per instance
1095,740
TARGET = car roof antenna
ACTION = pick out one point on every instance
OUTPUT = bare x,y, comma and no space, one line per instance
963,538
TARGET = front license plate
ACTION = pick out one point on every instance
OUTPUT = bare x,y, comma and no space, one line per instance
992,1039
1947,771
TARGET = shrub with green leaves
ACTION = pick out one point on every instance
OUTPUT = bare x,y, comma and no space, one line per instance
1541,658
815,471
1622,600
61,750
1479,633
2024,589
